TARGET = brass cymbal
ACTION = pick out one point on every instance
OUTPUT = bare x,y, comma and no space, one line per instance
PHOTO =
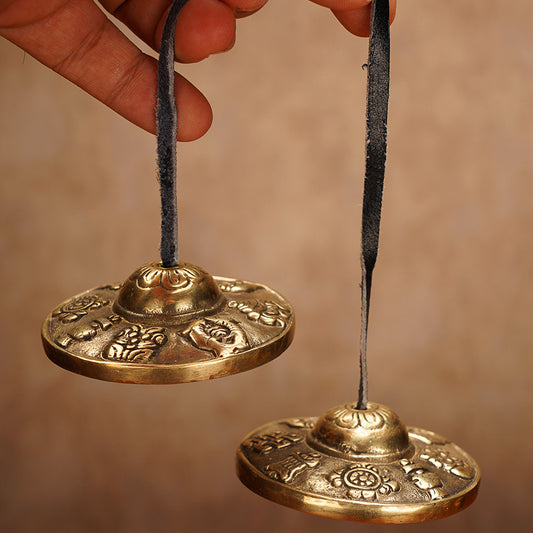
169,325
359,465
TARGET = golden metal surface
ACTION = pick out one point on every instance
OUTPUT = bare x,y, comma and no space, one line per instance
360,465
169,325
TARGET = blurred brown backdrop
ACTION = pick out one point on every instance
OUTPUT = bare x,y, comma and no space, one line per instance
273,194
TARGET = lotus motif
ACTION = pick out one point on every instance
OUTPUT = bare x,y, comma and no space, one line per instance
171,279
349,417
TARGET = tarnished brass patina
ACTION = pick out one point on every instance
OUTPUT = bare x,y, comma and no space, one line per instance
360,465
169,325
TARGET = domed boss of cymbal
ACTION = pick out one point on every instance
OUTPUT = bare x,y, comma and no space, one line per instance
169,325
360,465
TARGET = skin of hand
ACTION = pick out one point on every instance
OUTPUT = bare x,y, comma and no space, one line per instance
76,39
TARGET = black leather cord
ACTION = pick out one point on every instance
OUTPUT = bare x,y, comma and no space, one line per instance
167,121
376,155
376,140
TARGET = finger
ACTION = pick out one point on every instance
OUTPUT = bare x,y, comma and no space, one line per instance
204,27
244,8
80,43
357,21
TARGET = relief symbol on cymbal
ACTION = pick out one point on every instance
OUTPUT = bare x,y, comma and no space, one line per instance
136,344
287,469
300,423
221,337
173,279
364,481
443,459
268,313
424,479
268,442
236,286
86,332
78,308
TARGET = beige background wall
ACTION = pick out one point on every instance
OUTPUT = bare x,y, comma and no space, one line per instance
273,194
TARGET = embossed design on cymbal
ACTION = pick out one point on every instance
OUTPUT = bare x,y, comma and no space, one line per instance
299,422
157,295
237,285
376,432
221,337
362,465
136,344
78,308
424,479
292,465
269,442
444,459
86,332
168,326
173,279
267,312
364,481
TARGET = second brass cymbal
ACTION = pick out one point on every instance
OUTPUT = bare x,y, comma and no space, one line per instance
359,465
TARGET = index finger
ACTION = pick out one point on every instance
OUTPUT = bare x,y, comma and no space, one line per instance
75,38
357,21
243,8
354,15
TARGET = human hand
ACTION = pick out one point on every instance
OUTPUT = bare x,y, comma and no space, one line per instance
76,39
354,15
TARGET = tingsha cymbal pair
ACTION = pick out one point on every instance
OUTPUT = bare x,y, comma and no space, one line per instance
172,322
